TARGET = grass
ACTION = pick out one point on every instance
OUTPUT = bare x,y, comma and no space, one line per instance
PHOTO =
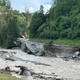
8,77
40,40
16,48
75,42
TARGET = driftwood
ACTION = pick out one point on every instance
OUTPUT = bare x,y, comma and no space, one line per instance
23,68
8,69
9,59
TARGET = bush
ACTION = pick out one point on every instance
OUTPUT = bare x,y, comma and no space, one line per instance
48,44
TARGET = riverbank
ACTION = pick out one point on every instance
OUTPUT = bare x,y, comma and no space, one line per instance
8,77
75,42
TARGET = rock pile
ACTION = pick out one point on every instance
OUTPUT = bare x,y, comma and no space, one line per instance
75,56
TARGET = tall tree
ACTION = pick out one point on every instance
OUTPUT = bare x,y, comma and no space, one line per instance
3,2
13,31
8,4
41,10
0,2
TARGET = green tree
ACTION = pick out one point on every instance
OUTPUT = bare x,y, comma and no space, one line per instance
3,35
0,2
8,4
37,20
13,31
41,10
3,2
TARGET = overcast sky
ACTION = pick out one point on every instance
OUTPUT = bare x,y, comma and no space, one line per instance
33,5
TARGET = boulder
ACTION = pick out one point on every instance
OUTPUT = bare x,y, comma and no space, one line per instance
76,54
40,53
59,78
26,73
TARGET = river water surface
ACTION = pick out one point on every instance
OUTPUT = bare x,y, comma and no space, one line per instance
53,67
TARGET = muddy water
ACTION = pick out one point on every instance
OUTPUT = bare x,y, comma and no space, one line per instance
59,67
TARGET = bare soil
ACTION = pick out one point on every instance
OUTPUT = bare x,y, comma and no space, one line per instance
62,50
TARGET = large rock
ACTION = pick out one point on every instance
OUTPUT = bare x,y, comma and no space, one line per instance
59,78
40,53
26,73
76,54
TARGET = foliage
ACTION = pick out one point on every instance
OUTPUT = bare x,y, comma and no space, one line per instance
37,20
13,24
62,21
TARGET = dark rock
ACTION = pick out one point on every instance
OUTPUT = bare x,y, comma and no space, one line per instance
7,68
50,54
66,59
59,78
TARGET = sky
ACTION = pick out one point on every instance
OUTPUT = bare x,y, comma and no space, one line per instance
32,5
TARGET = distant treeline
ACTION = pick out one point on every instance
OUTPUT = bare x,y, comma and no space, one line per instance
61,21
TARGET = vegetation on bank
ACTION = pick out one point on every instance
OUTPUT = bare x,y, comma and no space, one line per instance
8,77
13,24
75,42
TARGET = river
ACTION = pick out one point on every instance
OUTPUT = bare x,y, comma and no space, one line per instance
52,67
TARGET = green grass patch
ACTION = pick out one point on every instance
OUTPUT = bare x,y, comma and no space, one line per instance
8,77
16,48
75,42
40,40
68,42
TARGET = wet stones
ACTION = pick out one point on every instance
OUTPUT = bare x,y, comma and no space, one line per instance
13,52
8,55
50,54
45,53
6,70
75,56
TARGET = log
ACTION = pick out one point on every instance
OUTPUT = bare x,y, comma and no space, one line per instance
9,59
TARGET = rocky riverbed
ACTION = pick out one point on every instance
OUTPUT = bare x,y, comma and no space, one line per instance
45,67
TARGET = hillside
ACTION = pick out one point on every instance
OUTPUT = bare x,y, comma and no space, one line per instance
62,21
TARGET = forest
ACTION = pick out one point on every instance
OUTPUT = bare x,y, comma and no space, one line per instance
13,24
62,21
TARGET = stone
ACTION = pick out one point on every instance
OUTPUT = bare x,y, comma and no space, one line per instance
67,79
76,54
26,73
59,78
40,53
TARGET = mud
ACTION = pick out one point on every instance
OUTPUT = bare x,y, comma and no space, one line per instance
62,50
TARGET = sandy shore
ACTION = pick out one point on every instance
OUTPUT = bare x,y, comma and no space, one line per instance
66,69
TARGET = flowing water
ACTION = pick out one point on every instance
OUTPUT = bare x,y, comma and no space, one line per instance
57,66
